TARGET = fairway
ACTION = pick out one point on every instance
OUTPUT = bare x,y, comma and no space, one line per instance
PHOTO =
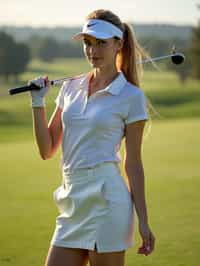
171,162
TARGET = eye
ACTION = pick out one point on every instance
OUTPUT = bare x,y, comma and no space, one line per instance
86,42
101,42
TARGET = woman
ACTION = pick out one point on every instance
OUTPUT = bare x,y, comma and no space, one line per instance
93,113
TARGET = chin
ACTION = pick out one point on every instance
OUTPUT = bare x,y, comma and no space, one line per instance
95,64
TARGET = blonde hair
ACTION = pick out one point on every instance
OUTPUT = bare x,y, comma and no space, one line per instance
131,52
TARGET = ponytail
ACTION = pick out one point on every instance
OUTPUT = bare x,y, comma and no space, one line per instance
130,54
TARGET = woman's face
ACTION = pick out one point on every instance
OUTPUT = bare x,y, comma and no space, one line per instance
101,52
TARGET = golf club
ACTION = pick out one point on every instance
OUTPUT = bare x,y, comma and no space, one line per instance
177,58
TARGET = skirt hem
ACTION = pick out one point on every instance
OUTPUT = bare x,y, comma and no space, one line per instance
91,247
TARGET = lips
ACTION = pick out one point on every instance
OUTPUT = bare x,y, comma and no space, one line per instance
95,58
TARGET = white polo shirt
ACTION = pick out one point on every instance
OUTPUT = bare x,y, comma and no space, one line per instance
93,128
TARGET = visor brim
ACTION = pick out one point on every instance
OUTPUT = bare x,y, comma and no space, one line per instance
97,35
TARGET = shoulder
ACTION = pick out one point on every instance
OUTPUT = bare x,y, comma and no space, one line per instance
72,82
131,91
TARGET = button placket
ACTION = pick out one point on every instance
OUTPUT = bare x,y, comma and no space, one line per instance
87,100
83,101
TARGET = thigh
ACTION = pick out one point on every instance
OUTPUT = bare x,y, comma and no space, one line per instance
61,256
107,259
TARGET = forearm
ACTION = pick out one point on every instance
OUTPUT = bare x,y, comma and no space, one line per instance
135,174
41,131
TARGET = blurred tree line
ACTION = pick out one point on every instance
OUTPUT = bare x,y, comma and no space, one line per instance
195,49
47,49
15,56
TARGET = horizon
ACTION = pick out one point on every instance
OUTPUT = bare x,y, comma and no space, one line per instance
80,25
21,13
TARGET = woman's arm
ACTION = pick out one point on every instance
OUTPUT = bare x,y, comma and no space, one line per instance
134,168
48,136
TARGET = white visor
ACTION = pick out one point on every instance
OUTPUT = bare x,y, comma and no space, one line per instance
100,29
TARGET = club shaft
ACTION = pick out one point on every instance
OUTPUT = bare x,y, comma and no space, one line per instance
159,58
58,81
177,58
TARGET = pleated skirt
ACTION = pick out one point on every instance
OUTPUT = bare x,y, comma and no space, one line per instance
95,209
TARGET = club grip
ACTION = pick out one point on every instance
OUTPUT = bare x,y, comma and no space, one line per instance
24,89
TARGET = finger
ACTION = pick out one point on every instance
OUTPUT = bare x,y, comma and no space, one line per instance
149,249
148,246
46,80
147,242
144,249
141,251
152,242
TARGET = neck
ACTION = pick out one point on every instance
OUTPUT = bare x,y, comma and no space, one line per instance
104,76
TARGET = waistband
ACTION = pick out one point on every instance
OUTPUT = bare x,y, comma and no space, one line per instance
83,174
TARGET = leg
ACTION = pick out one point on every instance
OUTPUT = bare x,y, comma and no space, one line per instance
107,259
61,256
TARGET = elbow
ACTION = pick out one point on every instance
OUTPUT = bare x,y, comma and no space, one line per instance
47,152
45,156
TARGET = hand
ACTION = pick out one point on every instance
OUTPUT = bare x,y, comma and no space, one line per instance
148,239
37,96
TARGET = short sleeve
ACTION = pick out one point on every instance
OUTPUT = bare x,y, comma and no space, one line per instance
137,108
60,97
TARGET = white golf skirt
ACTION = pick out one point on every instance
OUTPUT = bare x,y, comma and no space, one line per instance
96,208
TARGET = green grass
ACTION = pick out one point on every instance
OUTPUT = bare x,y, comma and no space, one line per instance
171,162
171,159
170,98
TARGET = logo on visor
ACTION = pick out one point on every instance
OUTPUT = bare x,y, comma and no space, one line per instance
92,24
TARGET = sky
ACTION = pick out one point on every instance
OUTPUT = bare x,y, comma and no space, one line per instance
52,13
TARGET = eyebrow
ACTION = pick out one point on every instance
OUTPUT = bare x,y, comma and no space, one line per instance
85,39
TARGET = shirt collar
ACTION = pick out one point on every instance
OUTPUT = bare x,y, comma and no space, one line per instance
114,87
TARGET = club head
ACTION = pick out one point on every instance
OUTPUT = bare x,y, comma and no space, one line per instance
177,58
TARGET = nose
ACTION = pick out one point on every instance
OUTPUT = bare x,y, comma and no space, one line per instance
92,49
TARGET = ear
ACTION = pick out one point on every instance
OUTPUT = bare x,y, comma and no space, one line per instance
120,45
